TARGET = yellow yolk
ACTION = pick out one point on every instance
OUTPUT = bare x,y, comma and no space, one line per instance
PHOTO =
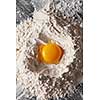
50,53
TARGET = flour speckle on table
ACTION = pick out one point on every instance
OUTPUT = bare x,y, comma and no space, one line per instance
46,80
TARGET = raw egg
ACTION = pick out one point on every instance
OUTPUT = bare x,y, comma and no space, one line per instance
50,53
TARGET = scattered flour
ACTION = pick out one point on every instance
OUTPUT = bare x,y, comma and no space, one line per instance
40,79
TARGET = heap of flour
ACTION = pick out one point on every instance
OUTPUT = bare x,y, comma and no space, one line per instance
43,80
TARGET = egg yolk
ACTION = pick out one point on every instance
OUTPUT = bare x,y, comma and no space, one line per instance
50,53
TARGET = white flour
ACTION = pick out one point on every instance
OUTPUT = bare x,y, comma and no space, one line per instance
29,70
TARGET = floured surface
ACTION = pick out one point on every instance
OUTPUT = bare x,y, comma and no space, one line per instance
41,80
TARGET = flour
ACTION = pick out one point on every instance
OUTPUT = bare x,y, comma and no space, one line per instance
43,80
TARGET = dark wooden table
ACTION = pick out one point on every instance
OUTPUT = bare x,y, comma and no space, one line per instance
24,9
